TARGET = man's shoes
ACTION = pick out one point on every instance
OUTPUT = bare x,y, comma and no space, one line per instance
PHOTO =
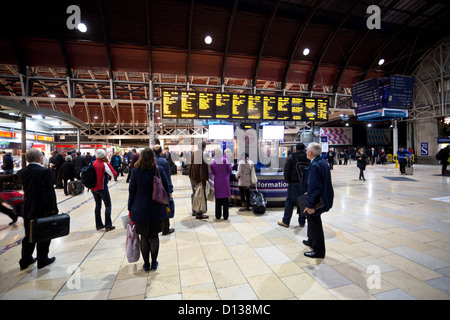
109,228
14,220
313,254
168,231
306,243
24,265
46,262
302,225
281,223
242,209
201,216
100,228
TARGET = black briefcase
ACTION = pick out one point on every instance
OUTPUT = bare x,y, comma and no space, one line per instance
51,227
301,203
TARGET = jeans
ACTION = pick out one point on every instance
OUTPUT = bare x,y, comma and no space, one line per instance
293,192
99,196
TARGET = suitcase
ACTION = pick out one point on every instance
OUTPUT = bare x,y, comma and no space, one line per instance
409,168
75,187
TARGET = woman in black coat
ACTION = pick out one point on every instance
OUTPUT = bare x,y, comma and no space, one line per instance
361,158
146,213
67,172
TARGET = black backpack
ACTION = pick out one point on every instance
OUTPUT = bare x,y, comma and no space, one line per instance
258,202
300,167
439,155
88,176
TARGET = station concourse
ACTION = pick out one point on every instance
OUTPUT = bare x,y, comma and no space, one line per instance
400,230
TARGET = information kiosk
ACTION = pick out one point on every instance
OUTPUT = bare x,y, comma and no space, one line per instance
257,124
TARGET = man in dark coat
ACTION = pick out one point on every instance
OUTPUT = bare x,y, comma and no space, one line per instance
8,163
79,162
39,200
294,176
319,189
444,156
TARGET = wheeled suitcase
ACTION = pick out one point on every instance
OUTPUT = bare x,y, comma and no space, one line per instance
75,187
409,168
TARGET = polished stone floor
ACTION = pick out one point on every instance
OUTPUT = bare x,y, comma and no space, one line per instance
386,238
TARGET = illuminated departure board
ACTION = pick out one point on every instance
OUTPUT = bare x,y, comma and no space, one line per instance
188,109
242,107
283,108
239,107
298,109
171,104
255,107
206,105
310,109
269,108
322,110
223,105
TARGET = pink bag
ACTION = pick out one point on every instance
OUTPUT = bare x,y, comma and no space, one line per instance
132,244
159,193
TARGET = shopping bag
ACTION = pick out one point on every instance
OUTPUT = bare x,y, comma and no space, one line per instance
132,244
159,193
254,179
199,201
210,194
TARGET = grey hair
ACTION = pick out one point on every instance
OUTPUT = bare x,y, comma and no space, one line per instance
34,155
68,158
218,153
315,148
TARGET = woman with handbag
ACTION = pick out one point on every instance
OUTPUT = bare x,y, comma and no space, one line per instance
221,170
361,158
146,213
243,175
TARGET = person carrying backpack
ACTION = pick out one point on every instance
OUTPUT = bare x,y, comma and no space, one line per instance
293,175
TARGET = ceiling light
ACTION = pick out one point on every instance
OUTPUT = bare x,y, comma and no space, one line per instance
82,27
381,62
208,39
305,51
95,117
369,125
52,95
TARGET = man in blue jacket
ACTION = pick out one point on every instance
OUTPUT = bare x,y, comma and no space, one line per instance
319,199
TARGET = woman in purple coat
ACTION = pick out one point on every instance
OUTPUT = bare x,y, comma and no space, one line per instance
221,170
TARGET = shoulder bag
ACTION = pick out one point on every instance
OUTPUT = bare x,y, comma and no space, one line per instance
159,193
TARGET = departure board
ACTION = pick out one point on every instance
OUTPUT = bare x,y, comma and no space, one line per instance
188,108
206,105
322,109
283,108
242,107
269,108
310,109
239,110
223,105
171,104
298,109
255,107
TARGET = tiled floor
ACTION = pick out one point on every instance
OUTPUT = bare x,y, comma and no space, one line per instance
386,239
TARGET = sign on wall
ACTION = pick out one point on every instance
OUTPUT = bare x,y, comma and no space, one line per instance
338,135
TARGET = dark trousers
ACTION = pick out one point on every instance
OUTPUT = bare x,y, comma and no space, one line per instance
315,233
444,167
245,195
293,192
222,203
402,166
361,174
99,196
28,247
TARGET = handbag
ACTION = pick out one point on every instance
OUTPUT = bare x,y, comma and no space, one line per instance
48,228
159,193
132,244
254,179
199,201
210,194
301,203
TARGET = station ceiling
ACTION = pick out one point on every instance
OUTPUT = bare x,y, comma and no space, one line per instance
255,44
